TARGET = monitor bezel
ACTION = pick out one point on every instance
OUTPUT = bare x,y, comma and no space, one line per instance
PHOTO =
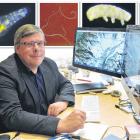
95,69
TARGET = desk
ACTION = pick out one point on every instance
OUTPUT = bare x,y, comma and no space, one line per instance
109,114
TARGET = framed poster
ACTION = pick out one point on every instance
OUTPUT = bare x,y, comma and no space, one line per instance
59,22
12,16
109,15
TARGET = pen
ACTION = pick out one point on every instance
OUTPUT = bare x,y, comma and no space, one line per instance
121,108
66,136
76,137
83,80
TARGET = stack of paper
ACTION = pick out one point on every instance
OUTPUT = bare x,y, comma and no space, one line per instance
90,105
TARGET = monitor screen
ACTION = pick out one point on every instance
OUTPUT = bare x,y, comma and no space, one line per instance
131,77
132,57
100,50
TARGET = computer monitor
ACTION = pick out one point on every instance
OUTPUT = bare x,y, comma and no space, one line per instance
131,76
132,57
100,50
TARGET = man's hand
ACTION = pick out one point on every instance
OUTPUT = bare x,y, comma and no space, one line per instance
56,108
72,122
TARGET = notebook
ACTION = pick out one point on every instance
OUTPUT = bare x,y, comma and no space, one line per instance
91,131
90,105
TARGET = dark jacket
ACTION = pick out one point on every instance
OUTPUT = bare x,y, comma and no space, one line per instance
19,103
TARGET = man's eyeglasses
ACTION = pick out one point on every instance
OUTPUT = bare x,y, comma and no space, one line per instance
32,43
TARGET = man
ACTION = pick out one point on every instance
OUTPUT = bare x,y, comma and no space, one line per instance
32,91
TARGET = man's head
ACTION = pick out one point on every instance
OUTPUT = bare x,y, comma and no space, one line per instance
29,41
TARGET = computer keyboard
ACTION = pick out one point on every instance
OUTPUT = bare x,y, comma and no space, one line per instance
86,87
90,104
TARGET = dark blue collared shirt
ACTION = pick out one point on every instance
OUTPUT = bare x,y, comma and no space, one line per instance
40,87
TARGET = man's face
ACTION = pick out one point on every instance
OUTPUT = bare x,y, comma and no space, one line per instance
32,50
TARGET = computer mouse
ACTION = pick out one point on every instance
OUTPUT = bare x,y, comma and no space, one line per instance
5,137
116,93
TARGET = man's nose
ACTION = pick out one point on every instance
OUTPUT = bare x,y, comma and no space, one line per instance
36,47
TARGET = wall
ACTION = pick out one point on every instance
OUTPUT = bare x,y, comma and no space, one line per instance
59,54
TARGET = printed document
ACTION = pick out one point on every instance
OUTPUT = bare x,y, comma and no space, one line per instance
91,131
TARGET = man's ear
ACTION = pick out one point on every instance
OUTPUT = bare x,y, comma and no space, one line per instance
17,49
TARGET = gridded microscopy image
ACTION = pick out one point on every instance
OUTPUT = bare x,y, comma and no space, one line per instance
12,16
111,15
59,22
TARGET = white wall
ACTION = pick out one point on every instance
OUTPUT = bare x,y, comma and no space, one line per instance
61,55
5,52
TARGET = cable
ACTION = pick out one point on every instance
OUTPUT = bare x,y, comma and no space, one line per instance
125,105
17,134
124,102
113,127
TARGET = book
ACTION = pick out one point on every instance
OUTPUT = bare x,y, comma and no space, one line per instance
133,132
91,131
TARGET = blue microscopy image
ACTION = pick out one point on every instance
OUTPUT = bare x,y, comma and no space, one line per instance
12,16
10,19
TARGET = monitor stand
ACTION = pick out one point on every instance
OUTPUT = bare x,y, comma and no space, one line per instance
138,88
137,118
135,101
